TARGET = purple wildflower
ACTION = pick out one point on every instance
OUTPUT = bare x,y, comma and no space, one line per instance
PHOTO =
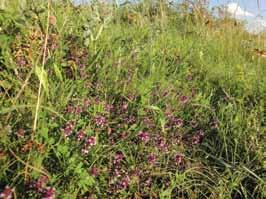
78,110
91,141
148,182
21,61
20,133
124,106
152,158
183,99
119,156
165,93
40,183
70,109
109,107
68,129
178,122
7,193
177,139
197,138
144,136
49,193
125,182
100,121
117,173
161,144
94,171
80,135
86,103
179,159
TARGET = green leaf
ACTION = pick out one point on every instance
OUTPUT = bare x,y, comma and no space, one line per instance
43,78
58,72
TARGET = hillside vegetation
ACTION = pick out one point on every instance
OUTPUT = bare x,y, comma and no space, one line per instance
147,100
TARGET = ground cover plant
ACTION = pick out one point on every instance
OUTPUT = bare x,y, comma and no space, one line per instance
140,100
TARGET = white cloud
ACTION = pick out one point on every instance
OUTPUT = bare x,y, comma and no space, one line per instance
237,11
256,25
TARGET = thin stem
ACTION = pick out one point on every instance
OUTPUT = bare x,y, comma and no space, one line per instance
42,69
40,86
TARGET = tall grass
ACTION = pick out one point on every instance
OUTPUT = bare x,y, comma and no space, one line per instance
145,100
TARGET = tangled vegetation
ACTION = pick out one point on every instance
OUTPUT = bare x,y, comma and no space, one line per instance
145,100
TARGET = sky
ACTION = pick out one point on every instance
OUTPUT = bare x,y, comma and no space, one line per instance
253,12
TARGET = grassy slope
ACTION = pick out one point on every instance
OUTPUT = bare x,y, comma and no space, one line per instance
145,59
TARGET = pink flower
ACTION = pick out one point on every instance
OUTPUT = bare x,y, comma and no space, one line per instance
7,193
117,172
125,182
109,107
68,129
183,99
20,133
119,156
152,158
100,121
124,106
179,158
91,141
78,110
86,103
94,171
161,144
49,193
178,122
80,135
197,138
165,93
40,183
70,109
144,136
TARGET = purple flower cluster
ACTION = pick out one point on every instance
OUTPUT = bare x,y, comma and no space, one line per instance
86,103
100,121
90,141
119,156
80,135
40,186
183,99
7,193
68,130
144,136
197,137
124,183
49,193
94,171
161,144
179,159
178,122
152,158
40,183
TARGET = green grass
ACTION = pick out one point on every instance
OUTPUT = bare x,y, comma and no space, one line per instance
119,74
